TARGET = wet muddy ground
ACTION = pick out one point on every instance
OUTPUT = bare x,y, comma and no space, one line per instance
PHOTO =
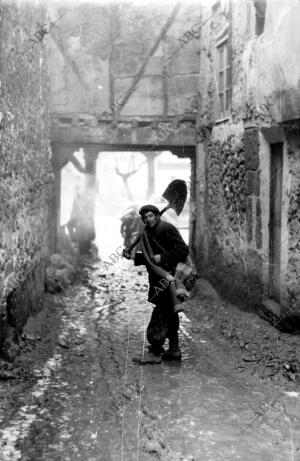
76,394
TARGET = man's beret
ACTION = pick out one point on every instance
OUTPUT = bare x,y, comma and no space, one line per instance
147,208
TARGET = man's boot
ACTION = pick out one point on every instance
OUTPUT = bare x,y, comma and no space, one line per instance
157,350
174,352
148,358
153,356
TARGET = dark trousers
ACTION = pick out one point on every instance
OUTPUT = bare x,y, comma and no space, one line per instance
164,324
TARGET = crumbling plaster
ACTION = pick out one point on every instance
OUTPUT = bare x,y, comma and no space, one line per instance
271,64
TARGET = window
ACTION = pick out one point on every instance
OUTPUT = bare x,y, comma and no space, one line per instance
224,78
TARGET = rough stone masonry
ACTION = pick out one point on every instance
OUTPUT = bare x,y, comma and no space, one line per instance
25,215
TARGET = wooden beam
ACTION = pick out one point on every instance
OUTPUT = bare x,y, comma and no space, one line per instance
151,52
77,164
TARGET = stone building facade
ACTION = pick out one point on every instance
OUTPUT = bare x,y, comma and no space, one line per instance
248,160
25,165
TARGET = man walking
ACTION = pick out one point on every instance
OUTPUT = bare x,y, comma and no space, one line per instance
163,248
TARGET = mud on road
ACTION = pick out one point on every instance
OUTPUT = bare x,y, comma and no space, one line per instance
77,395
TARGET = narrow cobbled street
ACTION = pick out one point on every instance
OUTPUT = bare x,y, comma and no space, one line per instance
83,398
150,150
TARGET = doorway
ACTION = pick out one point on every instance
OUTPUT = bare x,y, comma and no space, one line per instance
276,164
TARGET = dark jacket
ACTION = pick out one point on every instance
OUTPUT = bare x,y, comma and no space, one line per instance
165,240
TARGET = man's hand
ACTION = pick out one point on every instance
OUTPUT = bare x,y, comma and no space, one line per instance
156,259
126,254
170,278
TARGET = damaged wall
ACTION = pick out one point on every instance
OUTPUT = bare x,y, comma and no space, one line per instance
264,94
231,194
25,167
293,270
271,75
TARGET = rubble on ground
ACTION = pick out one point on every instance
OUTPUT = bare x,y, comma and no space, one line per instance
59,273
265,351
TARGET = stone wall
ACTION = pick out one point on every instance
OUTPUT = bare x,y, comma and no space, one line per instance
25,166
293,272
236,150
233,217
230,265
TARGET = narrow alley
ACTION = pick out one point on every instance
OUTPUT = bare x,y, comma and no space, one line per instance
149,230
84,398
